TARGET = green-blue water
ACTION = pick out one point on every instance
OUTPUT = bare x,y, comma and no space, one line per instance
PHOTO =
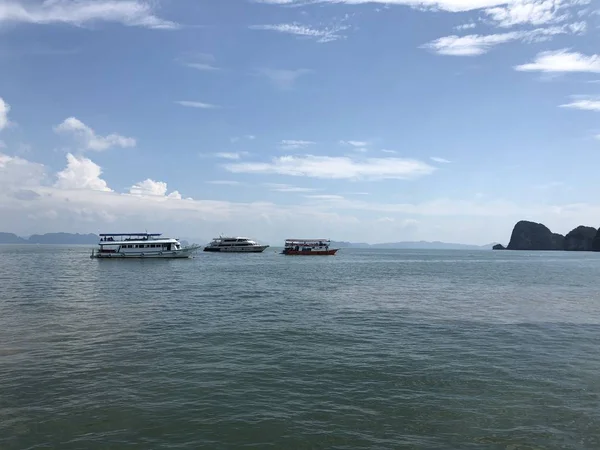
364,350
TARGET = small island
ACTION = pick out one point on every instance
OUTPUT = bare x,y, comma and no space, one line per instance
528,235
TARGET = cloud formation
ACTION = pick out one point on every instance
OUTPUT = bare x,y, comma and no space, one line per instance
16,172
445,5
321,35
4,110
230,155
562,61
294,144
81,173
80,12
475,44
584,103
278,187
355,143
194,104
337,167
149,187
531,12
88,137
81,201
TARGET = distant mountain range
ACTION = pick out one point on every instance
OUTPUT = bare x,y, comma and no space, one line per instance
91,239
426,245
49,238
55,238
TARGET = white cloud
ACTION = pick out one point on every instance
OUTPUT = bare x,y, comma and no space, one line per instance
439,160
230,155
249,137
153,188
283,78
89,139
81,173
294,144
322,35
204,67
391,152
533,12
81,202
277,187
475,44
562,61
4,110
18,172
446,5
585,103
355,143
193,104
325,197
80,12
359,146
466,26
471,45
337,167
30,206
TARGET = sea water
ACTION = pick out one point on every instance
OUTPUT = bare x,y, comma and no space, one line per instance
368,349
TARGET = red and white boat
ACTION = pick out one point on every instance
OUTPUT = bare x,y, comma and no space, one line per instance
308,247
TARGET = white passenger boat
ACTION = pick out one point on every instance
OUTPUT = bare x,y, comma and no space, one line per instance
141,245
234,245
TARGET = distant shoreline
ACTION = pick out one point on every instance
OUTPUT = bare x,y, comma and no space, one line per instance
92,239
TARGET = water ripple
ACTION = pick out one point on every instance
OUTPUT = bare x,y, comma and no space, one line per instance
367,350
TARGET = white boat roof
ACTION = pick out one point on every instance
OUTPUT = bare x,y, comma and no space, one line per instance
130,234
307,240
140,241
231,237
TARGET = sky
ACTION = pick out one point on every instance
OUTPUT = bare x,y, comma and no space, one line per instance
355,120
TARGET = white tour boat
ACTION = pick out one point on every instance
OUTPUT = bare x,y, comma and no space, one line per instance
141,245
234,244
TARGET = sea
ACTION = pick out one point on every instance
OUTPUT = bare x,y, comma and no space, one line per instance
368,349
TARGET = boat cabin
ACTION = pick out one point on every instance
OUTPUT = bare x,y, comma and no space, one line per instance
231,242
307,245
136,243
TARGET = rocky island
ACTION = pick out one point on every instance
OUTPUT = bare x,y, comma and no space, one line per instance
528,235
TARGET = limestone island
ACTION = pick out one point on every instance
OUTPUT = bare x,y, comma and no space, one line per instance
536,236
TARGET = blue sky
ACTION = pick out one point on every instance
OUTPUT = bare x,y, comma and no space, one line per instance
356,120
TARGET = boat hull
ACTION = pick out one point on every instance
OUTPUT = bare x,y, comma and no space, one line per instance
311,252
168,254
253,249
